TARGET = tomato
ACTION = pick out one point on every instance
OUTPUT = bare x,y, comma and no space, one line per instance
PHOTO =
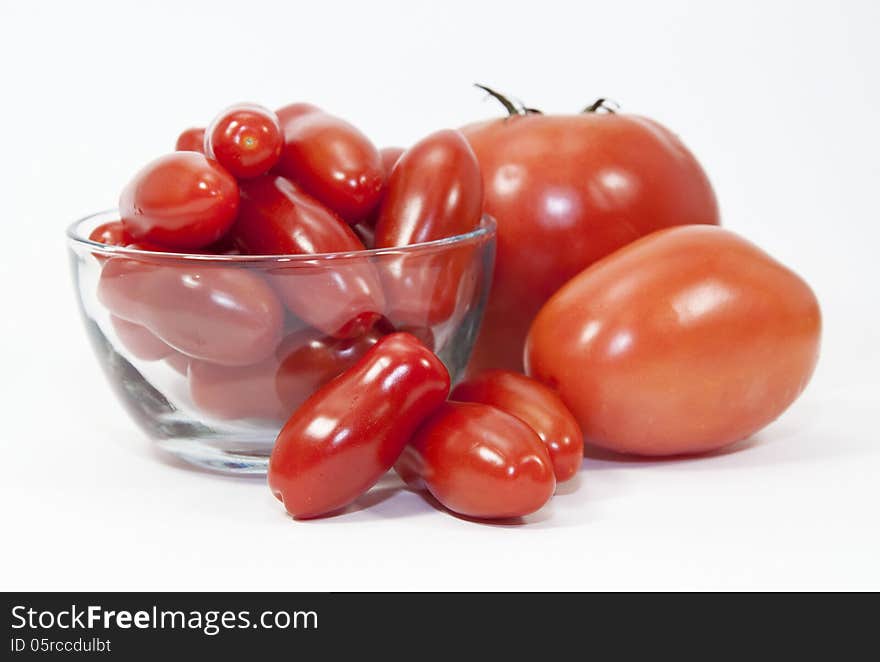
535,405
219,314
331,160
390,156
245,139
351,431
479,461
276,217
309,360
685,341
434,191
236,392
182,200
191,140
178,362
566,190
112,234
140,341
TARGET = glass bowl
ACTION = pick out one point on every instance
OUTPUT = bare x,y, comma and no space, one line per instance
211,353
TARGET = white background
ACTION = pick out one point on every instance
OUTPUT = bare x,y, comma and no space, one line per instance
779,100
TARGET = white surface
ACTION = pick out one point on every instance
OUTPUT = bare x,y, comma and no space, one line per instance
779,101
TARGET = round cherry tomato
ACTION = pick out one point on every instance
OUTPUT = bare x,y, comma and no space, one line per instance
535,405
565,191
245,139
112,234
191,140
331,160
685,341
140,341
351,431
479,461
182,200
341,299
223,315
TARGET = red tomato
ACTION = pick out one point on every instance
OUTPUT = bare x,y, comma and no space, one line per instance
366,229
191,140
685,341
566,191
309,360
535,405
140,341
237,392
224,315
390,156
434,191
479,461
350,432
331,160
178,362
341,299
182,200
245,139
112,234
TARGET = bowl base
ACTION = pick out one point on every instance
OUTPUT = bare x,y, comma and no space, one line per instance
249,461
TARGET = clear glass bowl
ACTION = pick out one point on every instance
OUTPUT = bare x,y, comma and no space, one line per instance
210,353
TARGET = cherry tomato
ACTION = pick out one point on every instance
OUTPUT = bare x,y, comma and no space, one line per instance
178,362
341,299
535,405
182,200
331,160
390,156
191,140
566,190
112,234
683,342
351,431
237,392
224,315
479,461
366,229
140,341
245,139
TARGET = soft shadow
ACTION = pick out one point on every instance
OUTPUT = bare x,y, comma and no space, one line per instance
600,458
572,485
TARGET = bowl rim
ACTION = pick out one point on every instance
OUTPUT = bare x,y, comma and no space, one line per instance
485,230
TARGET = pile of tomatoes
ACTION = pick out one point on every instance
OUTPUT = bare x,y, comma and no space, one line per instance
621,315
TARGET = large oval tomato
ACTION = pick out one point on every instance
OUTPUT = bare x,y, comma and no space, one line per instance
566,191
351,431
182,200
479,461
331,159
685,341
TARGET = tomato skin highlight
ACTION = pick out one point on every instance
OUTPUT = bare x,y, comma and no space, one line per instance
276,217
683,342
191,140
182,200
223,315
479,461
331,159
566,190
537,406
351,431
245,139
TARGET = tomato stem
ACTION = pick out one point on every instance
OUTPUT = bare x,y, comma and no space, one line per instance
512,108
602,103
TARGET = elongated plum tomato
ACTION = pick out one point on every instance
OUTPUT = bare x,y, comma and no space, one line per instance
191,140
182,200
245,139
277,218
479,461
331,160
351,431
685,341
112,233
390,156
535,405
566,190
140,341
219,314
434,191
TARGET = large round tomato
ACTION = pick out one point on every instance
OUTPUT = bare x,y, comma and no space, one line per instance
565,191
685,341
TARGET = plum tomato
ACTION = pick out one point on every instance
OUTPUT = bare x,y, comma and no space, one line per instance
111,233
191,140
331,160
535,405
684,341
182,200
236,392
353,429
479,461
224,315
140,341
245,139
390,156
276,217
